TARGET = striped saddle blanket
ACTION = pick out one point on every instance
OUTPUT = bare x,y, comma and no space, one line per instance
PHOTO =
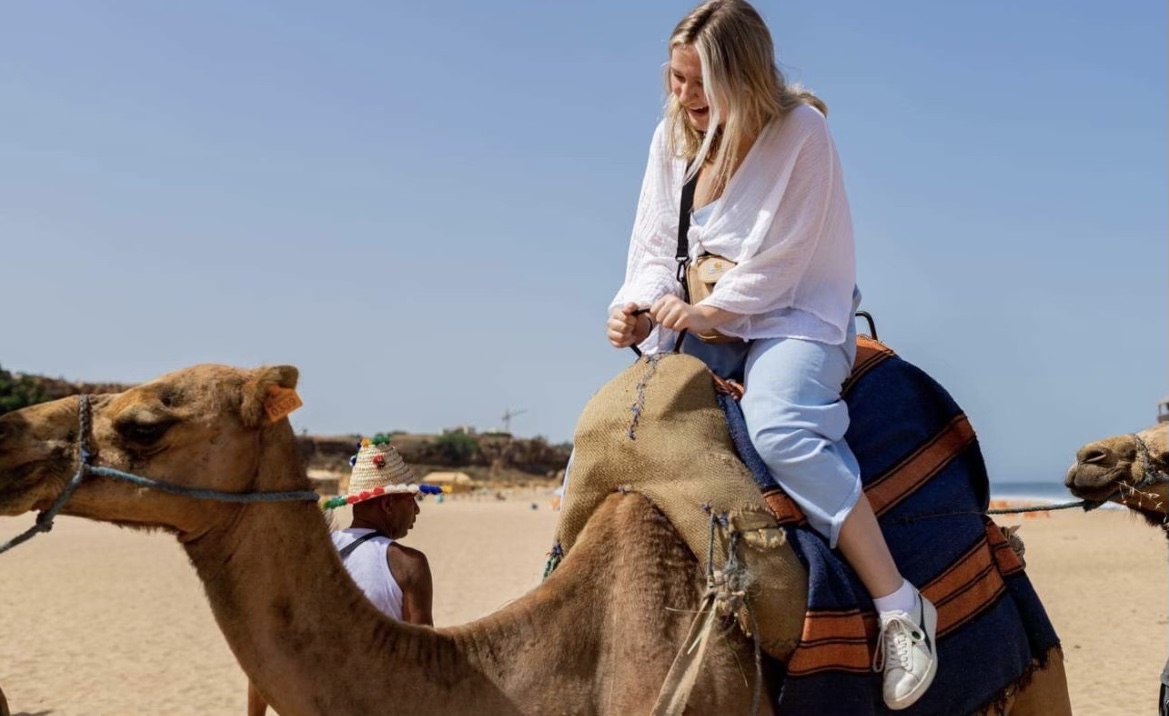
924,474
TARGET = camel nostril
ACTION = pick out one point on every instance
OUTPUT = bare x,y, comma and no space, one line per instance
1094,455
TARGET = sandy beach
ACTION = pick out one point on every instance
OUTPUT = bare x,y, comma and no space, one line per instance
99,620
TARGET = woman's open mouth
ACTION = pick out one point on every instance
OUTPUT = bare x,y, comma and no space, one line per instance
698,113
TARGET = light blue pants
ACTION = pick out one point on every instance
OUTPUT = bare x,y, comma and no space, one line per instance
796,418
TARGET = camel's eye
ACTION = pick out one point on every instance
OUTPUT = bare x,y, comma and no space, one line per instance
145,433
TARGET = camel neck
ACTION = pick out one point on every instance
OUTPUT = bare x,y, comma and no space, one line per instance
314,646
286,606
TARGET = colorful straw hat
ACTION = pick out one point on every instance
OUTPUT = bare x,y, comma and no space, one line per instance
378,470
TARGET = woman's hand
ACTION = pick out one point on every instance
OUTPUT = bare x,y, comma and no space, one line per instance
626,329
677,315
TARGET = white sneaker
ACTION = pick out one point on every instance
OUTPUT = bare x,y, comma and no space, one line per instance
905,651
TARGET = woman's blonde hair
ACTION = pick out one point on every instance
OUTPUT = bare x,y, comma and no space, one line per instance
744,88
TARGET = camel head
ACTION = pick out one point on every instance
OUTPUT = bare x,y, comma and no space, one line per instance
203,427
1128,469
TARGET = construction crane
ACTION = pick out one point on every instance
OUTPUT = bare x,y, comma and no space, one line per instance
508,415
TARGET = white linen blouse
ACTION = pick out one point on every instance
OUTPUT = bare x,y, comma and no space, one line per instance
783,218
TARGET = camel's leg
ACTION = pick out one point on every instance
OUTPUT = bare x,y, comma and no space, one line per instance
3,705
1047,694
257,706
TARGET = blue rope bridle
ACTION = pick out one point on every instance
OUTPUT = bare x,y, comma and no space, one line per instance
85,468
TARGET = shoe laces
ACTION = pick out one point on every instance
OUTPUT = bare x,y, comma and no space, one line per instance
894,642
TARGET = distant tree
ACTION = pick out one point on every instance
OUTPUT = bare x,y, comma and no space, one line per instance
457,448
19,391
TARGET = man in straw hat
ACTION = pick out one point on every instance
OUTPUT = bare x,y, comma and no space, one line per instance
394,577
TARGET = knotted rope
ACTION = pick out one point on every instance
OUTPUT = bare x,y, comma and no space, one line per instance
726,592
1153,476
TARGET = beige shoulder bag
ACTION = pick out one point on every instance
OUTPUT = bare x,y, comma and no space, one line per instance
698,278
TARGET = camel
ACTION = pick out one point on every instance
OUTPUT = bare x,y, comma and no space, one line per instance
597,637
1131,470
4,705
1127,469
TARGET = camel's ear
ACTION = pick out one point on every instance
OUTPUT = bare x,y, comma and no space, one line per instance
270,396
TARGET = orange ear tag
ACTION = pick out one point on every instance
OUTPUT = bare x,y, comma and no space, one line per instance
281,402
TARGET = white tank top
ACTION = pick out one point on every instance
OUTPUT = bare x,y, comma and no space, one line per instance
368,567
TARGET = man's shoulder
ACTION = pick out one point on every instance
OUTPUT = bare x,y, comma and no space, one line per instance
407,564
407,552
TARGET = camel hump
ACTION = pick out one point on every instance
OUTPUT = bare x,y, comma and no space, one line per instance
870,353
657,429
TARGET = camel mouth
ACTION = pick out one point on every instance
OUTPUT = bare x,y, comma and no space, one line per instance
1094,497
15,504
23,486
1093,484
17,488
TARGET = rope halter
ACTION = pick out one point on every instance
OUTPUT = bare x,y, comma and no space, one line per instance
85,468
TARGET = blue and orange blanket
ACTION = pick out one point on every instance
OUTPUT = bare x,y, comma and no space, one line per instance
924,474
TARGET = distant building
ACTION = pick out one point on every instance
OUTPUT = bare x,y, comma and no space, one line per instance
456,481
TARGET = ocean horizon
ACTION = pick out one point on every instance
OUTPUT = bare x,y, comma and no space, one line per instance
1036,490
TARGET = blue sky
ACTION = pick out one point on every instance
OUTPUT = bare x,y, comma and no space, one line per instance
426,206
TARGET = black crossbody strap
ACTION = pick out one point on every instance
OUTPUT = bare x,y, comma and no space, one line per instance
683,254
355,544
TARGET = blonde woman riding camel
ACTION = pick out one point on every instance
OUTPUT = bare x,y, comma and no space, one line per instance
747,160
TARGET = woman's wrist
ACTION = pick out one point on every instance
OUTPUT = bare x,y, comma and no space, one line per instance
640,334
715,316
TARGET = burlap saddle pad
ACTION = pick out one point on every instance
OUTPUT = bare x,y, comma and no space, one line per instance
657,429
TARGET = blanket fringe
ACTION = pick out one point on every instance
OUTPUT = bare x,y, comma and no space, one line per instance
1001,702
